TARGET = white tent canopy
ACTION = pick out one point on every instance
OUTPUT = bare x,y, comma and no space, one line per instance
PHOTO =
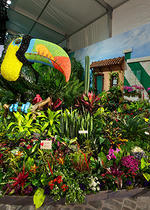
59,20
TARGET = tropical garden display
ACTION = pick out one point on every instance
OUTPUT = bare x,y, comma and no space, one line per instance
70,142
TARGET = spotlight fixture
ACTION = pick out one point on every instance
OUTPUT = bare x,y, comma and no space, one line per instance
8,2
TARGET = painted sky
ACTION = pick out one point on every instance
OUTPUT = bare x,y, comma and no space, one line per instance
1,49
138,39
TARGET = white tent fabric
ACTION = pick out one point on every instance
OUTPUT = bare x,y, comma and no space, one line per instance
75,24
130,15
57,20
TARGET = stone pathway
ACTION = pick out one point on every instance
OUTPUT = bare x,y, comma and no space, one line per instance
139,201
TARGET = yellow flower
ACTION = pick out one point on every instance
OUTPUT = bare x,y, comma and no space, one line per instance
146,119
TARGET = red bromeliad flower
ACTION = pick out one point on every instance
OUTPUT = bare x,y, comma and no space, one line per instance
56,104
37,99
89,101
21,178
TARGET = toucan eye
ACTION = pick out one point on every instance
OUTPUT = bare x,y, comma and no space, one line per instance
17,41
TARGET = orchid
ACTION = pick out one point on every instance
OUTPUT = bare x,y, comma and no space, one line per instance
111,154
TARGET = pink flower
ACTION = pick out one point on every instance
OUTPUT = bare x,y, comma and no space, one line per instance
117,150
111,154
108,157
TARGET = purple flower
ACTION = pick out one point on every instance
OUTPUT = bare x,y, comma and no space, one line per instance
130,162
128,182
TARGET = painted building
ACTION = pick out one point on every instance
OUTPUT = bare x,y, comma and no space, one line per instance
137,58
108,73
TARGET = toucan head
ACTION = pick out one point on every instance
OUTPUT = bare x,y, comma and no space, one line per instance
26,50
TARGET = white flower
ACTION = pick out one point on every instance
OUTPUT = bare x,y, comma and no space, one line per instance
147,133
137,149
98,188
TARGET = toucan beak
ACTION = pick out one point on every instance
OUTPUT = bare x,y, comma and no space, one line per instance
24,50
50,54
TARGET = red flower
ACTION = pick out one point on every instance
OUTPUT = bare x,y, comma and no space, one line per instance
59,179
42,144
21,178
102,175
55,180
56,104
37,99
1,155
29,146
64,187
51,184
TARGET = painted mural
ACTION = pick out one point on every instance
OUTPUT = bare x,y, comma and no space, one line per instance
1,49
137,70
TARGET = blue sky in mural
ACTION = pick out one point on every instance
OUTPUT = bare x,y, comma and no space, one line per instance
1,49
138,39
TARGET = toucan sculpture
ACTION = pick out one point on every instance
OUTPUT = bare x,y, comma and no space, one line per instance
26,50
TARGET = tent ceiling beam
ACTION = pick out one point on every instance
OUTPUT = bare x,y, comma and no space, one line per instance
105,5
51,27
39,15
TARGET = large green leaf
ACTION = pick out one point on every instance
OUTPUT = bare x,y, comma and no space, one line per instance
39,198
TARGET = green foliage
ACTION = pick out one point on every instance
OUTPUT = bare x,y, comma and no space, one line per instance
74,194
145,168
49,123
22,124
133,127
39,198
113,98
72,122
79,160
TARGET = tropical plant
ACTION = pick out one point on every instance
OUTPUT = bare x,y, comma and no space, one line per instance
133,128
49,122
89,102
23,124
113,98
72,122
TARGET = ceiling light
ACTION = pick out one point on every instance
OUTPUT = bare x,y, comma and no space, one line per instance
8,2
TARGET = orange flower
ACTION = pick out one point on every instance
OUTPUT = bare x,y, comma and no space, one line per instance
33,169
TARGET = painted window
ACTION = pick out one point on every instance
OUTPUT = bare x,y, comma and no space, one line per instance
114,81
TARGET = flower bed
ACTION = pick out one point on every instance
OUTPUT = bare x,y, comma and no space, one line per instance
100,143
